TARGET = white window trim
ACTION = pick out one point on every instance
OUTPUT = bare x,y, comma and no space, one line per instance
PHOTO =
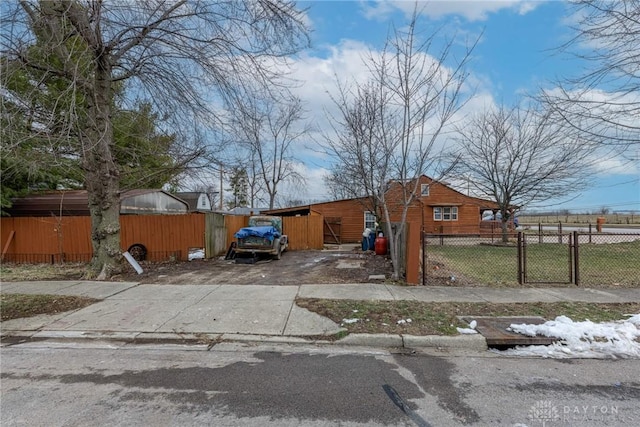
424,187
452,214
371,221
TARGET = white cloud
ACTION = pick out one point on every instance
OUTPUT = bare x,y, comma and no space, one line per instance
615,166
312,191
472,10
318,77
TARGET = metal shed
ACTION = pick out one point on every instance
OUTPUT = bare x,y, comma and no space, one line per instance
76,203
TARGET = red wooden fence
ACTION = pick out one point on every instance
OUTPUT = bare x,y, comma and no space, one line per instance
165,237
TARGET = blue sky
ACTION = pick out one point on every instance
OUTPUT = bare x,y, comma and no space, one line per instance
516,56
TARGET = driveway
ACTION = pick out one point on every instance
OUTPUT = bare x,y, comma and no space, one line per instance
295,268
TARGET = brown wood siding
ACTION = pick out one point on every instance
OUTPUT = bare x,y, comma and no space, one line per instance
420,213
351,213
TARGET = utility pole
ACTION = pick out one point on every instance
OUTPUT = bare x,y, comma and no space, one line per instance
221,188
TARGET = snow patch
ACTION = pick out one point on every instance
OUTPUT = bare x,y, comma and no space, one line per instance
607,340
466,331
196,254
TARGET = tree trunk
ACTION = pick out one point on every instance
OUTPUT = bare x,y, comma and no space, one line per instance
101,178
505,229
394,252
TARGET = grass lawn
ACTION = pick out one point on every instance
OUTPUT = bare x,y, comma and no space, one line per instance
610,263
442,318
600,264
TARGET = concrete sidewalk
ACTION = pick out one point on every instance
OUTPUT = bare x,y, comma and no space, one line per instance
132,312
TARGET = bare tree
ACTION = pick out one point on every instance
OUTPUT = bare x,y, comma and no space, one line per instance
341,184
521,156
269,127
180,55
603,104
387,128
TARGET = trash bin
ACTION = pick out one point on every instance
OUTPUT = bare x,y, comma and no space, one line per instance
372,241
366,239
381,245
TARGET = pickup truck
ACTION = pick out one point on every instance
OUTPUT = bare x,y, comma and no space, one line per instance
262,236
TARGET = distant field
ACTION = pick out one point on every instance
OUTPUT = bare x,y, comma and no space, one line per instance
624,219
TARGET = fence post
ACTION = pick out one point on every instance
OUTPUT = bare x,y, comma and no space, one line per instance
560,232
423,242
571,265
576,260
539,232
520,258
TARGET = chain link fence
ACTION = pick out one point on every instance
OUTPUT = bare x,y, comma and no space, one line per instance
585,259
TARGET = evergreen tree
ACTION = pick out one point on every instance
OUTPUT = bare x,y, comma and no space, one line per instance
239,182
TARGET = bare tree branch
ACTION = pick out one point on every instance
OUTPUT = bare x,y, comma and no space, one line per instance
603,103
386,132
521,156
186,58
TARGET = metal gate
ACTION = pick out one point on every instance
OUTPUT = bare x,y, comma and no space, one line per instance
547,258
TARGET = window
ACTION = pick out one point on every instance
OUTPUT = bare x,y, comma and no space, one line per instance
445,213
424,190
369,220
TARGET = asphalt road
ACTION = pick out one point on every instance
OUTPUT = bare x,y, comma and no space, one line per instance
91,383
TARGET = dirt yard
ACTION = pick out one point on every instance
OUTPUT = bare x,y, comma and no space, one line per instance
295,268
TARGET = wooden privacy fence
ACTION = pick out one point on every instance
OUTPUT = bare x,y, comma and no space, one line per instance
165,237
68,238
304,232
233,223
46,239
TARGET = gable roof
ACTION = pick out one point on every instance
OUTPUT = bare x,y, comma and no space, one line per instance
192,198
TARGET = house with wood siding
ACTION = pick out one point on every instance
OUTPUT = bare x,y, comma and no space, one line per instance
438,209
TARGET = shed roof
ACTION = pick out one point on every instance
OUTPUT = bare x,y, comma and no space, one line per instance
76,203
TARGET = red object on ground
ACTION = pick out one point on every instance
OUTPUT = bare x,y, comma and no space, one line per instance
381,245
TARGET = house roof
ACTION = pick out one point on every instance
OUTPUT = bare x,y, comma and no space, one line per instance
306,209
292,211
243,210
191,197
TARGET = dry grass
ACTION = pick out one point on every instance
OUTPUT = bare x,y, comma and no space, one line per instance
26,272
443,318
15,306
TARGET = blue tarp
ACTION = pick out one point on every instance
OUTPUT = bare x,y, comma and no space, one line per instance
266,232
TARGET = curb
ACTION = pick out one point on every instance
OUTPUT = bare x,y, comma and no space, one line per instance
470,342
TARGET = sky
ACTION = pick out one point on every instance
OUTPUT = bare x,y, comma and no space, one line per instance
517,54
